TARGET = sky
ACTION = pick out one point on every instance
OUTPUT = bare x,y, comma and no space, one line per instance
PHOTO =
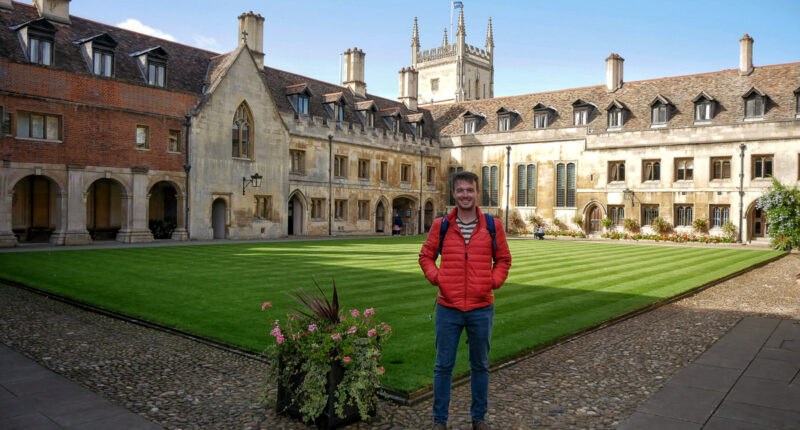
539,45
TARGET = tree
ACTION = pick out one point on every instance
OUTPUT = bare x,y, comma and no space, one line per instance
782,208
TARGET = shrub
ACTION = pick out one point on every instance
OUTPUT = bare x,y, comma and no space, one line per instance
700,225
516,223
782,208
606,222
162,229
631,225
559,224
729,230
536,220
577,220
661,226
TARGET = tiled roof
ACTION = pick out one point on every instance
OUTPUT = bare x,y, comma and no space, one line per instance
279,82
726,87
186,66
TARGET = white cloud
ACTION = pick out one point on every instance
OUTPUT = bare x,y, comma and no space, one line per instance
137,26
206,42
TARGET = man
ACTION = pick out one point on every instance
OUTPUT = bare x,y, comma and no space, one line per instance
466,278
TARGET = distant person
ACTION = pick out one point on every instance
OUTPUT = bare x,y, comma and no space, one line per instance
475,261
397,225
539,233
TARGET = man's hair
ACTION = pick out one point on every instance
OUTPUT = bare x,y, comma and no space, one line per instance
465,176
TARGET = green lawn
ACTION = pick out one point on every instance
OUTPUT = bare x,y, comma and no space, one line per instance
555,288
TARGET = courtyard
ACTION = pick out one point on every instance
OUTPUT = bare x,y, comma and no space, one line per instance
556,288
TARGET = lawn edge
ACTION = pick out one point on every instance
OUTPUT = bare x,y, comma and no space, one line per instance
396,396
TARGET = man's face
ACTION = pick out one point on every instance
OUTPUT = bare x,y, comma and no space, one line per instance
466,194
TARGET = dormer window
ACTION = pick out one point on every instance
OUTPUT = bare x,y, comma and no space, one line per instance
505,119
37,38
616,115
334,104
369,119
98,51
659,111
396,125
581,112
472,121
153,65
103,63
415,121
754,104
299,96
704,106
542,115
366,113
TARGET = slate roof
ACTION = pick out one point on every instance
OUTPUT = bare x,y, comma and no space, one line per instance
282,83
186,66
777,82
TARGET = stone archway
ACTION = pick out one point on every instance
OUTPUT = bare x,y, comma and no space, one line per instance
296,215
756,221
104,213
404,212
593,218
163,210
34,212
219,218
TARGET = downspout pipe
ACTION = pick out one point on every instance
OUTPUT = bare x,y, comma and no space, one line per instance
421,173
742,147
186,168
330,185
508,181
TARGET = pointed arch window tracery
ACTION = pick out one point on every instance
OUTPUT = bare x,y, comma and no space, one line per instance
242,133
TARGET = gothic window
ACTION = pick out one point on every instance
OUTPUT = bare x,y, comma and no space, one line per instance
242,132
430,175
565,185
649,214
651,170
721,168
762,166
683,215
489,185
617,214
684,169
384,170
616,171
720,214
526,185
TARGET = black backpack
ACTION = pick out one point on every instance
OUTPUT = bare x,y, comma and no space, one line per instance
446,226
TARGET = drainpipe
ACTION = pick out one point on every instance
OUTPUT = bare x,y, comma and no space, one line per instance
508,181
330,184
421,172
742,147
186,168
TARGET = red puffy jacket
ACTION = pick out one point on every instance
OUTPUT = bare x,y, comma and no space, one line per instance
465,275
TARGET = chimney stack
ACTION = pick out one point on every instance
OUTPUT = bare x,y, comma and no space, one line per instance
251,32
354,72
6,4
745,55
408,87
614,72
53,10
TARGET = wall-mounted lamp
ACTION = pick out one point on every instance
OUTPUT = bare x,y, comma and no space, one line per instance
628,193
255,181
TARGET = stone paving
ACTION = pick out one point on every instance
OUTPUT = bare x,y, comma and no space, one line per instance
595,382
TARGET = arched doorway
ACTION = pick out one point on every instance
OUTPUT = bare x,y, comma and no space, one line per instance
295,215
593,220
33,209
406,209
104,209
756,222
163,210
428,215
219,217
380,218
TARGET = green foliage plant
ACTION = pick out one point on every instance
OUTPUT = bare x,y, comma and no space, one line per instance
700,225
317,333
782,207
606,222
578,220
661,226
729,230
631,225
559,224
517,223
536,220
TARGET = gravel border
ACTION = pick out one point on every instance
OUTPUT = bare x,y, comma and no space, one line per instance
593,382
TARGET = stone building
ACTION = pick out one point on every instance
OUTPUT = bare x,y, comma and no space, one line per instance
454,72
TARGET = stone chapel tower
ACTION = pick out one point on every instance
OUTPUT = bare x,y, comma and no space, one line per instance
454,72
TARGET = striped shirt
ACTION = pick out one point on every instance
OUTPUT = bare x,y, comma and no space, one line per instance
466,228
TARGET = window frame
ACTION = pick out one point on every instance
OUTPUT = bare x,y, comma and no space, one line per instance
541,120
659,114
41,40
684,214
242,116
340,166
146,144
317,209
649,212
177,134
566,188
707,108
580,116
616,118
384,173
490,186
102,53
616,213
715,211
470,125
434,84
300,103
340,209
504,122
405,173
684,177
156,65
363,168
721,161
526,176
430,174
363,210
46,117
616,171
297,161
655,170
764,158
263,207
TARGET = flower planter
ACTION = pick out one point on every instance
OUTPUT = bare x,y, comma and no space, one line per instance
288,404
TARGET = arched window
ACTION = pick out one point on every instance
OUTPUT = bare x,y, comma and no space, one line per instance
242,133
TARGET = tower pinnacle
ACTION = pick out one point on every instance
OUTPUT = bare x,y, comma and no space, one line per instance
462,31
444,40
489,36
415,35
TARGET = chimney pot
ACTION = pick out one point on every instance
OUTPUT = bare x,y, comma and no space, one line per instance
614,72
53,10
254,26
745,55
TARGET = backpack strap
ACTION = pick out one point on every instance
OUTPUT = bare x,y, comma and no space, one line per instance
442,233
492,231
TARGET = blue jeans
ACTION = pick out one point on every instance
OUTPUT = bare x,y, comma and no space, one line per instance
449,324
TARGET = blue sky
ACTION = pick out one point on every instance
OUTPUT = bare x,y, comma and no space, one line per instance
539,45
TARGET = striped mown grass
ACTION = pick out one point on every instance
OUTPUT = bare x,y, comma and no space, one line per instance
555,288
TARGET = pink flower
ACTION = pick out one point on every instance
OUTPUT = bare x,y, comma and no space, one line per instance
352,330
276,323
370,311
382,369
266,305
371,332
387,327
336,336
342,318
312,327
355,312
279,338
346,359
275,332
